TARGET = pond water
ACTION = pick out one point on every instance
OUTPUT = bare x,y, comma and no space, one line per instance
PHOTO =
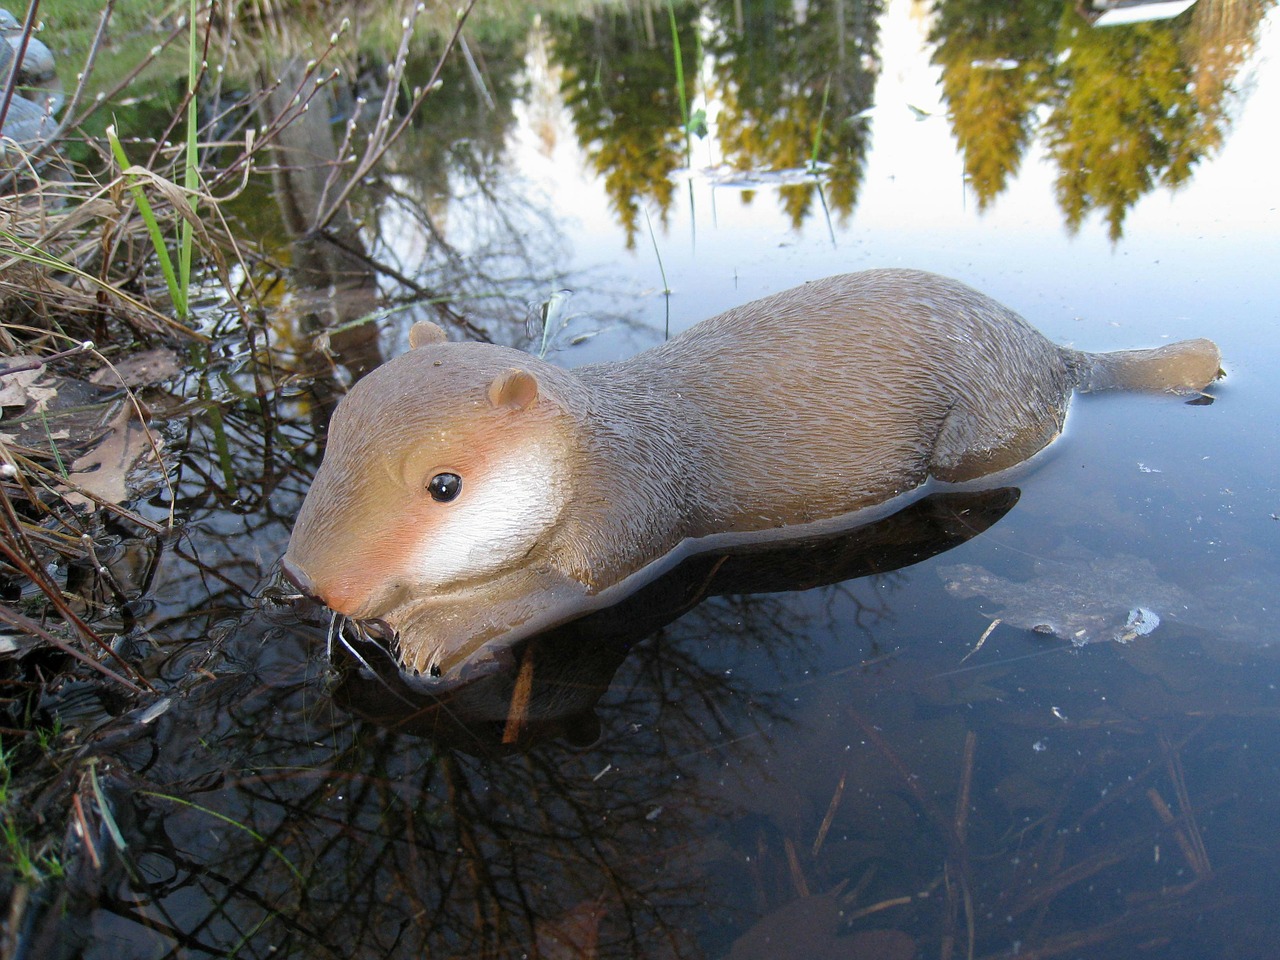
904,763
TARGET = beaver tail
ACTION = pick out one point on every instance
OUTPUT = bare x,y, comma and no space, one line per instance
1187,366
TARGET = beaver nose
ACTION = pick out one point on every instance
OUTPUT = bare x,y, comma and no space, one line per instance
297,576
332,595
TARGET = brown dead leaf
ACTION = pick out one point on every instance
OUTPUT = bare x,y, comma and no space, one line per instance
104,470
139,370
20,389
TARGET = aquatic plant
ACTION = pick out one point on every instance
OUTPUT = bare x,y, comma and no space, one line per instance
691,123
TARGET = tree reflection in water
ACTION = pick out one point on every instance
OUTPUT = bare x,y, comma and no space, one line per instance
1127,107
794,82
1120,109
619,84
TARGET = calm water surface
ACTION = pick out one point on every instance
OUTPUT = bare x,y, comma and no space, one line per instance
862,769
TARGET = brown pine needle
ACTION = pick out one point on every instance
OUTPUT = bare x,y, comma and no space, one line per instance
966,783
797,874
519,711
831,815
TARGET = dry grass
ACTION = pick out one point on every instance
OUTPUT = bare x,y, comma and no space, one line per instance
79,267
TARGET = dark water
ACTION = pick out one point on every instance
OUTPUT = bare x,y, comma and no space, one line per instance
860,769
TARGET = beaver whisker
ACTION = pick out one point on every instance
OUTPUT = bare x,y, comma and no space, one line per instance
338,625
361,629
338,628
334,617
361,633
375,631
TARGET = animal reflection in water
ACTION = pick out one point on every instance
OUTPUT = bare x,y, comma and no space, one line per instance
471,495
547,686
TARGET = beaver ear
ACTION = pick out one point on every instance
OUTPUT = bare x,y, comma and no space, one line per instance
424,332
514,388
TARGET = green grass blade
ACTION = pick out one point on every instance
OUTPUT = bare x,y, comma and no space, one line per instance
191,168
273,850
176,293
822,115
57,457
108,820
680,90
666,287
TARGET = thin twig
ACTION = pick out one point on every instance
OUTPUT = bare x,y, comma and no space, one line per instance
966,783
831,814
380,142
11,82
518,713
29,626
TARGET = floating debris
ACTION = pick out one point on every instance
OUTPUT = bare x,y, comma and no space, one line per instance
1140,623
1102,600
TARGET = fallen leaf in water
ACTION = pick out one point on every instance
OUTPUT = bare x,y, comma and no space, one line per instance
20,389
1122,598
104,470
1118,598
139,370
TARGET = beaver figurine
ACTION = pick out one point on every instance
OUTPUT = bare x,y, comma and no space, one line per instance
473,494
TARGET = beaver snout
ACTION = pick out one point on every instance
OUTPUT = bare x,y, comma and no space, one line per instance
298,577
339,595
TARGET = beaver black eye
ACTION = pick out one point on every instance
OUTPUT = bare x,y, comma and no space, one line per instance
444,487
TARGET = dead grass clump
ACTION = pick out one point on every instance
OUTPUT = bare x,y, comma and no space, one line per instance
100,260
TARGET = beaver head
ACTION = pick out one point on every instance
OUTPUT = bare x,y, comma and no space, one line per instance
446,469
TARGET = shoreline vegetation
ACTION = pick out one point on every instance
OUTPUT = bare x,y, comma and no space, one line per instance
82,243
119,272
